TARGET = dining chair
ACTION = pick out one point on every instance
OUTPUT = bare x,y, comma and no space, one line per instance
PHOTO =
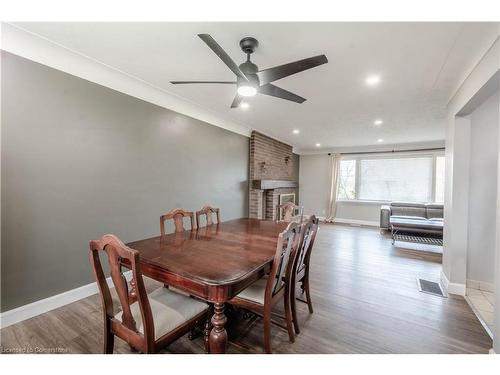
265,293
177,215
147,322
300,273
208,212
287,211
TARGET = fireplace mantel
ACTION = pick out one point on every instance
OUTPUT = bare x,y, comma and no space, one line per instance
273,184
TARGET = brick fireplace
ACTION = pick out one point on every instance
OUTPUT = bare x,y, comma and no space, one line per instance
272,173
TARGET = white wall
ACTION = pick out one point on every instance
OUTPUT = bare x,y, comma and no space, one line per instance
457,169
483,191
456,225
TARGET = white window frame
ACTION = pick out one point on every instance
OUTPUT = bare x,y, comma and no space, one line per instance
434,174
398,155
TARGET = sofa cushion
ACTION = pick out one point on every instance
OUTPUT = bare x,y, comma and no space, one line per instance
407,217
407,204
407,209
436,219
413,224
434,210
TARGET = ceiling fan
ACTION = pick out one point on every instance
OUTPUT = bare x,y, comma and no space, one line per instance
249,79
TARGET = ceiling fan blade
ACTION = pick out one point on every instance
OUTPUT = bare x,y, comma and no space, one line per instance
271,90
281,71
189,82
236,102
214,46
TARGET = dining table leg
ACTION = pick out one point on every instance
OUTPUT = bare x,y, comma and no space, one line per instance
218,336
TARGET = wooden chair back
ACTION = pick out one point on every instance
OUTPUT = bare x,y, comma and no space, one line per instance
208,212
118,253
308,234
177,215
286,211
286,250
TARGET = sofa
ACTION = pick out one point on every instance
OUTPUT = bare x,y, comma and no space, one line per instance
417,218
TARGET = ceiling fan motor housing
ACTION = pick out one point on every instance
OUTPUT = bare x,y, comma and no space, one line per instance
249,67
250,70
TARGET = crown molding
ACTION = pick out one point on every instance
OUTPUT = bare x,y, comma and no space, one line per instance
44,51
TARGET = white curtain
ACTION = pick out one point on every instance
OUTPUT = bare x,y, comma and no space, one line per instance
334,183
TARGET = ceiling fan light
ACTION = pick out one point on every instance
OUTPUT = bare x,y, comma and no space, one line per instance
246,90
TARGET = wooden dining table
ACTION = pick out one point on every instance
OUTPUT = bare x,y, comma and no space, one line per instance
213,263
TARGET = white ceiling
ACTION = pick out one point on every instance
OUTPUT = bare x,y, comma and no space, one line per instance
421,66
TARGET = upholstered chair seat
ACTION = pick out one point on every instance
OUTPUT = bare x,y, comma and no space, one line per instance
255,292
170,310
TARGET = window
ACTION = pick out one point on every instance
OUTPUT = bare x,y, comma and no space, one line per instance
347,181
413,178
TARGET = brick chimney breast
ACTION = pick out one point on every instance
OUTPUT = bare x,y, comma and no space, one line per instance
270,159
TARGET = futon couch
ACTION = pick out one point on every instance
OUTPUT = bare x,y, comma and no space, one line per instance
417,218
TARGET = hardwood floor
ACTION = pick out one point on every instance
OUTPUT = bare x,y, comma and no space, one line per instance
365,300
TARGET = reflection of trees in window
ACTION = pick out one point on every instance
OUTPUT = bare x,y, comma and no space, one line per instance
347,180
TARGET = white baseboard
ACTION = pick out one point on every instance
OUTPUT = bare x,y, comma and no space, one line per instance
482,285
30,310
479,317
356,222
473,284
452,288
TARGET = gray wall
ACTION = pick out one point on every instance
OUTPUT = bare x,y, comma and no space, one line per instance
365,212
314,183
483,191
80,160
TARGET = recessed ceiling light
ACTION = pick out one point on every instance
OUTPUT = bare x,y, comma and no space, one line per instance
296,131
244,105
380,140
318,144
372,80
378,122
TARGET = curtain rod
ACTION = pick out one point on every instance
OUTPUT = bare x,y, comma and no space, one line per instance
390,151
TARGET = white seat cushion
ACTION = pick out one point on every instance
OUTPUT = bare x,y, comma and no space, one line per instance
169,309
255,292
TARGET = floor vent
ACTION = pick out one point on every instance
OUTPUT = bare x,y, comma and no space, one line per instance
430,287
